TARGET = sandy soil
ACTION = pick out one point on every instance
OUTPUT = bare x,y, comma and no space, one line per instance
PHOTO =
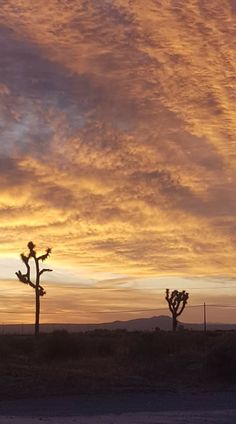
189,417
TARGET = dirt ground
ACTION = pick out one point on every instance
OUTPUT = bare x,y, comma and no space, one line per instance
182,407
189,417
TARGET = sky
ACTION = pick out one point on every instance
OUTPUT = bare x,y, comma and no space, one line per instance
118,151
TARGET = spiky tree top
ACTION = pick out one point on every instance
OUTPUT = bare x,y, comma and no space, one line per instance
26,278
176,301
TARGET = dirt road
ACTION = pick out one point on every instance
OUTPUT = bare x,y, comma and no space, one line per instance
147,408
179,417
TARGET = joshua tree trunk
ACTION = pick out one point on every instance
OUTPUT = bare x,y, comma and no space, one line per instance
174,322
37,312
37,298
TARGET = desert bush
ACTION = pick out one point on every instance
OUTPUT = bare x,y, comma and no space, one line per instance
221,359
5,348
58,345
62,345
15,346
160,345
22,345
100,343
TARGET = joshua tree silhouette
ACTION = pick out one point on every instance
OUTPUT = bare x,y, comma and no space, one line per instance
177,302
26,278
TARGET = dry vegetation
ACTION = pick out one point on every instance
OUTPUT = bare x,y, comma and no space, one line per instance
105,361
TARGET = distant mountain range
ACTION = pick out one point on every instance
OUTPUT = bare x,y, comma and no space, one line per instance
141,324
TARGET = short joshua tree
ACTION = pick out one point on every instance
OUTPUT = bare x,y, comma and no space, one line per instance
27,279
177,302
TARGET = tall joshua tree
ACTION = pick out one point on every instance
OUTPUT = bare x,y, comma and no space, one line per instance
177,302
27,279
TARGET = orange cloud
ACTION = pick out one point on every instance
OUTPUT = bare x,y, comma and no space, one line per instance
118,127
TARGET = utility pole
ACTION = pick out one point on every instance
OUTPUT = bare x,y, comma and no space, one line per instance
204,317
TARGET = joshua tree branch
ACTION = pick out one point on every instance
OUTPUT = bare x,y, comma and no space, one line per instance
45,256
24,279
45,270
176,302
182,308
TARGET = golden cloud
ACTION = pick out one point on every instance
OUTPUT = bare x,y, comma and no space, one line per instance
119,134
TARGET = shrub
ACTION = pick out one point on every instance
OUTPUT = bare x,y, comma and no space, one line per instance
58,345
221,359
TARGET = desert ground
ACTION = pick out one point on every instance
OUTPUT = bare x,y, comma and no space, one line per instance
118,378
207,417
149,408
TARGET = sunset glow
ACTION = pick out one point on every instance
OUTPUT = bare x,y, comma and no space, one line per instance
118,151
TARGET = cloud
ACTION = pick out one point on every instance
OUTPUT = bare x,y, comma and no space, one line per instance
110,299
118,127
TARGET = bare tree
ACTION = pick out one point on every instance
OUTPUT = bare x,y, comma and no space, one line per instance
177,302
27,279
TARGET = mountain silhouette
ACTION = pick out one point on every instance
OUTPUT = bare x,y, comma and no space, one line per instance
161,322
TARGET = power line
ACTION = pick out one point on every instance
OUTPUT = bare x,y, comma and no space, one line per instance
160,309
